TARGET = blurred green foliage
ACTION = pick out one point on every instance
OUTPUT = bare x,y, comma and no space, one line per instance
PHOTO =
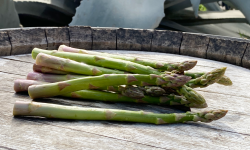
202,8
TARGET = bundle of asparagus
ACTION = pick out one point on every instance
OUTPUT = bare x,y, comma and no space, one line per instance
99,76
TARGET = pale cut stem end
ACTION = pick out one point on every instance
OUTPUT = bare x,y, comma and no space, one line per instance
21,108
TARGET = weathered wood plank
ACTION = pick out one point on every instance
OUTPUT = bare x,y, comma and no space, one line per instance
22,133
15,67
24,40
194,45
104,38
166,41
221,134
230,50
7,81
80,37
57,37
5,46
23,58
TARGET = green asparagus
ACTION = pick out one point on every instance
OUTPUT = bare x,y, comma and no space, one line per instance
79,113
180,66
224,80
95,82
207,79
100,61
72,66
171,99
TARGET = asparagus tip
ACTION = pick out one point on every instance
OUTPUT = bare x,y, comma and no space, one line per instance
208,116
61,47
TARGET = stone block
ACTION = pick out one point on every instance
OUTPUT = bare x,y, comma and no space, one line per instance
194,45
226,49
5,46
57,37
24,40
80,37
104,38
166,41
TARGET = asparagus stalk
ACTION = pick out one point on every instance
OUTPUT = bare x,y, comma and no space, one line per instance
207,79
224,80
171,99
72,66
95,82
79,113
42,69
51,77
180,66
100,61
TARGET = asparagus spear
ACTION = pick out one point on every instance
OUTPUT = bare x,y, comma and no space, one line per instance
79,113
100,61
170,99
72,66
207,79
95,82
224,80
43,69
180,66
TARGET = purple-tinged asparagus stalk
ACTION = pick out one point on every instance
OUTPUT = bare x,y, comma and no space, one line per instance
72,66
22,85
101,61
51,77
42,69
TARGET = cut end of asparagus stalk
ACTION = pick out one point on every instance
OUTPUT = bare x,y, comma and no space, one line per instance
22,85
21,108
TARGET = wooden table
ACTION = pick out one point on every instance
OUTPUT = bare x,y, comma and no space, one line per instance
230,132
